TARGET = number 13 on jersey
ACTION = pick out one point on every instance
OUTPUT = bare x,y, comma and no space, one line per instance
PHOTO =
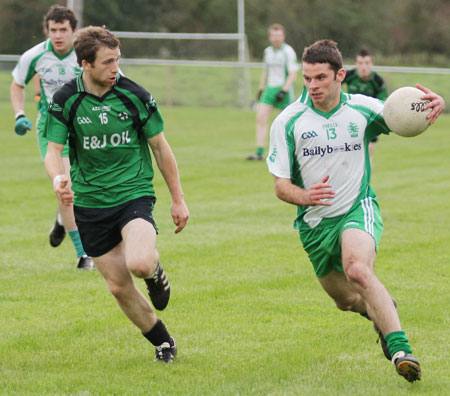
331,133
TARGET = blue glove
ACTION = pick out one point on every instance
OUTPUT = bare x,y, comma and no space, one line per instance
23,124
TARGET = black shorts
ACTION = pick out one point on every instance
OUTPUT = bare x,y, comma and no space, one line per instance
374,140
100,228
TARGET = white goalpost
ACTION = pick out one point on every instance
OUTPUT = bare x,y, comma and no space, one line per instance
244,85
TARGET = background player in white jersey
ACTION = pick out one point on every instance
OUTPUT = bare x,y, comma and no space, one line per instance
275,87
319,158
55,62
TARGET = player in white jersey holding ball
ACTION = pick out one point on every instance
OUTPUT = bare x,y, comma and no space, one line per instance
275,87
320,160
55,61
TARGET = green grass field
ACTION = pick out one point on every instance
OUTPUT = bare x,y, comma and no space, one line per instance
219,86
247,311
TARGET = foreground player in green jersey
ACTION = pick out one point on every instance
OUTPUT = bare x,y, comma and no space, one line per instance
275,86
55,63
319,158
110,121
363,80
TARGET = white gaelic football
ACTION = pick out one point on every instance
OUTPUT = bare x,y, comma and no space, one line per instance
404,112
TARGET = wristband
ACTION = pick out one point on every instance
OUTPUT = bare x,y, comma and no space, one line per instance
19,114
57,180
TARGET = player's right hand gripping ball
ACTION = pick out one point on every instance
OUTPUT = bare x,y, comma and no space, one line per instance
404,112
23,124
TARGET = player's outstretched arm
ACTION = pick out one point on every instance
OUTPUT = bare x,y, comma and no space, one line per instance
288,192
55,170
168,167
437,103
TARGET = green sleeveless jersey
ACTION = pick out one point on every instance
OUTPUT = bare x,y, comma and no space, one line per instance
109,154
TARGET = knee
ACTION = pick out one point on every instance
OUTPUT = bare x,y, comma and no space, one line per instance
143,267
261,118
358,274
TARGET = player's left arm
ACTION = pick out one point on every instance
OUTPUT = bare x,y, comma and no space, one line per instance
437,103
287,85
292,69
169,169
289,81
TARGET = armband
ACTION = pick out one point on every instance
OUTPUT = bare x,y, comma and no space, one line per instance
57,180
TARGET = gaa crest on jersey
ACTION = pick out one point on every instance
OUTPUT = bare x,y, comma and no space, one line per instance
353,130
309,135
123,116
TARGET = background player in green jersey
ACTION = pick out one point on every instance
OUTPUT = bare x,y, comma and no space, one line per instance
275,87
363,80
111,121
54,62
318,156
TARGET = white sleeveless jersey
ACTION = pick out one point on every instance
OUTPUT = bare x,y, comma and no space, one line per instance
279,63
53,70
306,145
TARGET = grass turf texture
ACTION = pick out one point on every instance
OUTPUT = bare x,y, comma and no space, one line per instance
219,87
246,310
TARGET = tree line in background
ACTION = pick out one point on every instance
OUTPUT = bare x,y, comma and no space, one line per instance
404,31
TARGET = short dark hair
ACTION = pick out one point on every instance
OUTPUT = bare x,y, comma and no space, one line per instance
90,39
364,52
324,51
59,14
